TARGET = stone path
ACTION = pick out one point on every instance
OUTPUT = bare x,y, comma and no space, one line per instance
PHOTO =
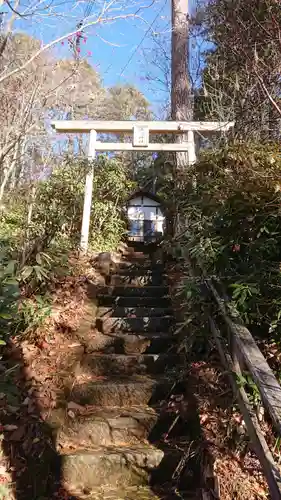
118,451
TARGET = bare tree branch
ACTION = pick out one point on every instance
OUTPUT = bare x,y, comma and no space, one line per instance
58,40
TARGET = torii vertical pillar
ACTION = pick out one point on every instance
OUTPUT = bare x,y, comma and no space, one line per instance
88,194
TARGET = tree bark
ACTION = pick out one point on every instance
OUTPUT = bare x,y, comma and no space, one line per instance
181,99
9,171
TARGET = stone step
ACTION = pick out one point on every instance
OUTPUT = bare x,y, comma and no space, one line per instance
131,250
124,266
137,325
133,291
109,466
141,270
134,364
137,493
137,259
153,301
101,427
121,391
134,312
86,469
150,279
136,256
127,493
130,343
125,248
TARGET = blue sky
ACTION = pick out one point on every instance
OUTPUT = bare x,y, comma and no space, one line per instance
111,47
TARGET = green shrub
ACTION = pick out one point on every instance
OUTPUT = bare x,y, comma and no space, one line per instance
232,224
49,212
59,203
40,226
9,295
32,314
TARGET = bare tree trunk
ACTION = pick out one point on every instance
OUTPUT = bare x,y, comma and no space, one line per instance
8,172
181,102
21,163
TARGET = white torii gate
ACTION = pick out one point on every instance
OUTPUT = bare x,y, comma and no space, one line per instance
140,131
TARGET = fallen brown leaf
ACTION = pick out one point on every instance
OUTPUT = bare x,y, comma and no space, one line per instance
18,434
74,406
9,427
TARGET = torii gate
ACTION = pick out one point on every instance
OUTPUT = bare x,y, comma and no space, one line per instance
140,131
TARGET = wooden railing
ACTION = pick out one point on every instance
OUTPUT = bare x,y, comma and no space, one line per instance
239,353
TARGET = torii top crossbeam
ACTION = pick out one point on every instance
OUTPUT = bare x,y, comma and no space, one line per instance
156,127
141,131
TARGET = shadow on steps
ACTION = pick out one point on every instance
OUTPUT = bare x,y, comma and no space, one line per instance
178,434
30,447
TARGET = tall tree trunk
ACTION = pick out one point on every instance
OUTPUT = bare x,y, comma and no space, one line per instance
21,164
181,99
8,172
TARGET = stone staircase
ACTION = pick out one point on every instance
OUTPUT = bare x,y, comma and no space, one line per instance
118,451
